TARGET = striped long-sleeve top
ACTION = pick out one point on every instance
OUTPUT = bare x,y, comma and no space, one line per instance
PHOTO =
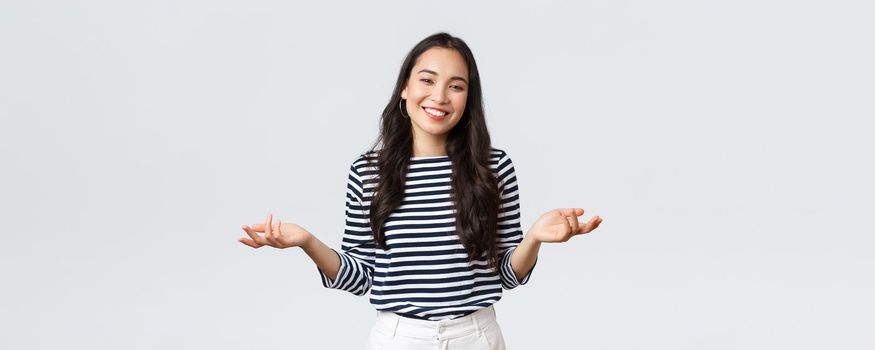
425,271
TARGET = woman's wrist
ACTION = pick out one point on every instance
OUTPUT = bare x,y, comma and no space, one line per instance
307,241
530,239
530,245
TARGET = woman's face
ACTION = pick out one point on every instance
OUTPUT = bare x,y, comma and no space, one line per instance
436,92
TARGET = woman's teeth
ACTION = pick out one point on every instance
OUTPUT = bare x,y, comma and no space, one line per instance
435,112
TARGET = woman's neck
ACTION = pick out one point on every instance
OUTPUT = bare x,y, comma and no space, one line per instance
429,147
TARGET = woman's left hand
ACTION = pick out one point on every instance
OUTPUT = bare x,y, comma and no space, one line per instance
559,225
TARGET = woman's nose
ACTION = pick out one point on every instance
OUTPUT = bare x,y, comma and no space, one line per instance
439,95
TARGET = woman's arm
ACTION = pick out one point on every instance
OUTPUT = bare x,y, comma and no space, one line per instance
523,258
351,268
325,258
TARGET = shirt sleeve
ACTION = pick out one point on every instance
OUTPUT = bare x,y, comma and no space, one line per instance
356,271
509,232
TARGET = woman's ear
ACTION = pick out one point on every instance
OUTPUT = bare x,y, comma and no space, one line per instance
404,93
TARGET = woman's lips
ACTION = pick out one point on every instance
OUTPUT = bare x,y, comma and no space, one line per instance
434,117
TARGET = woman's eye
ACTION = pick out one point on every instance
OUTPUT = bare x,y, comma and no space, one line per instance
457,87
427,81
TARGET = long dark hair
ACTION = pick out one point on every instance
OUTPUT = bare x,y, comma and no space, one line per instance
474,188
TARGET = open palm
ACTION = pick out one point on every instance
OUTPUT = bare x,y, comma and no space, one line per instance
277,235
559,225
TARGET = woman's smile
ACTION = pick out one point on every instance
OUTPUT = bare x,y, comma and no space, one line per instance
436,113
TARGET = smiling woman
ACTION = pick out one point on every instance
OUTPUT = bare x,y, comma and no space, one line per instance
435,97
432,214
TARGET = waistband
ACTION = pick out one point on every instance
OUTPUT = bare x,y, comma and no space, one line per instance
425,319
394,324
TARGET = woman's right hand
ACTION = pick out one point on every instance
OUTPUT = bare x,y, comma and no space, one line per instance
277,235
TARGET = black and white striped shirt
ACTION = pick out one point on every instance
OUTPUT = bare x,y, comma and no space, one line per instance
425,273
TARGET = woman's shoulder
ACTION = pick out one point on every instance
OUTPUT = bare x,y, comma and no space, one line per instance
364,161
498,153
369,156
499,158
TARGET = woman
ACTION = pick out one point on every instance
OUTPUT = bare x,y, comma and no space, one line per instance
432,216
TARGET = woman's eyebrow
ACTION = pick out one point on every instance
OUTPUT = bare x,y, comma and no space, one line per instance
435,73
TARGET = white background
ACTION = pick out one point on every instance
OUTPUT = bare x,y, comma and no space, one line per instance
727,144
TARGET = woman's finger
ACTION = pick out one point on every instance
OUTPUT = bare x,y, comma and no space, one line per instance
592,224
596,222
274,232
574,224
566,232
267,224
254,236
270,237
566,212
249,242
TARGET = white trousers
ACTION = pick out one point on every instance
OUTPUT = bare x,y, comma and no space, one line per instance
477,331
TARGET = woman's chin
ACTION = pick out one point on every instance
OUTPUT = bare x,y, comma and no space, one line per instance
435,130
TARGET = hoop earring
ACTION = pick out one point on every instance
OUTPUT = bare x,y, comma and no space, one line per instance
401,109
